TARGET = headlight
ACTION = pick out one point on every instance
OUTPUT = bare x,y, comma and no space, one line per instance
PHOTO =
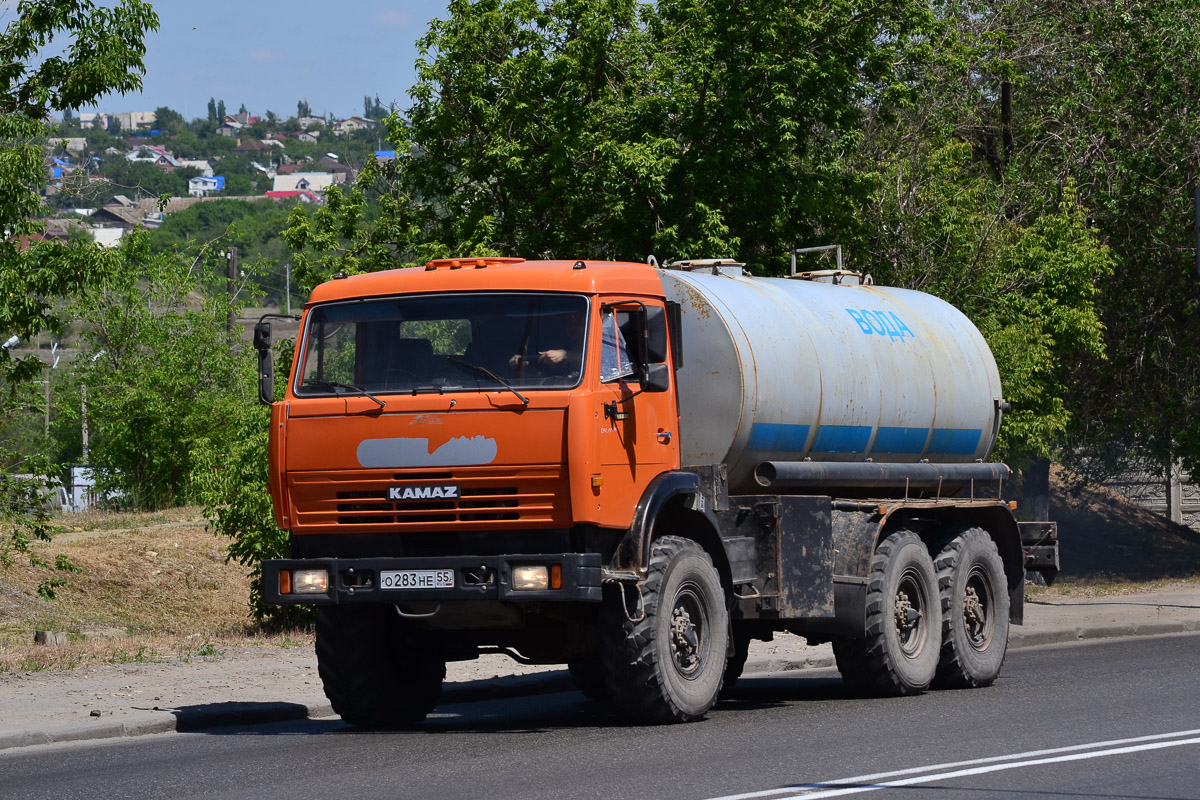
531,578
304,581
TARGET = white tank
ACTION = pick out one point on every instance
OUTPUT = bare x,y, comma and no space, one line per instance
784,369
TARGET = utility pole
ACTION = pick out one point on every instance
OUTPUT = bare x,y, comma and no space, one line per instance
46,429
287,285
83,421
49,369
231,260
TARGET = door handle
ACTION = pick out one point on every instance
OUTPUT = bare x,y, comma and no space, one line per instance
664,436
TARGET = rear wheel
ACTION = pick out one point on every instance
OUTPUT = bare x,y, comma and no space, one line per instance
377,671
898,651
664,661
974,601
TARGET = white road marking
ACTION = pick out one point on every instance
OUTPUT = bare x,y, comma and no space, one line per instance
875,782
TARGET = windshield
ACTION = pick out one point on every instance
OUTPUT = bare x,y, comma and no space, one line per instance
438,343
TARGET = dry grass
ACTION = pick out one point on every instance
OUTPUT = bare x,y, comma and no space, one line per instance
150,587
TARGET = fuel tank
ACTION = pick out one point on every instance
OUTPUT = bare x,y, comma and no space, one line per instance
832,369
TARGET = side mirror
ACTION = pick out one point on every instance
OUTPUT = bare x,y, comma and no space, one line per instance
656,334
657,378
262,336
266,373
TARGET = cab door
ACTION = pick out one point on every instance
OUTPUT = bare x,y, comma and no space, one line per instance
637,429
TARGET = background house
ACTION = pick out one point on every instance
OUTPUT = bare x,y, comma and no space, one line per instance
202,185
302,196
153,154
251,147
202,166
341,173
315,182
345,126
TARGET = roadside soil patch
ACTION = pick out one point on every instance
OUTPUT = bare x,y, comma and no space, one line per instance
1106,539
150,587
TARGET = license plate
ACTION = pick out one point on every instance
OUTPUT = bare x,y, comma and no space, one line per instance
416,579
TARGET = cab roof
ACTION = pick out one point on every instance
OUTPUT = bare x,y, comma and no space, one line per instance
497,274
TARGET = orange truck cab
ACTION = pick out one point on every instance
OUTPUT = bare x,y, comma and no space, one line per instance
483,455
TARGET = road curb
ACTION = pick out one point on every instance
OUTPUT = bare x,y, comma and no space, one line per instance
1020,639
192,719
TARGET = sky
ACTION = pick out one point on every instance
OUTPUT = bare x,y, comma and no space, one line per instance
269,54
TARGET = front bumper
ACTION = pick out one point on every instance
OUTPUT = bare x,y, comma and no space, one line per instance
356,580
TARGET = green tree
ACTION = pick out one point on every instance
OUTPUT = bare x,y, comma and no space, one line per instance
166,373
1104,96
138,179
212,110
615,128
942,227
373,109
167,119
104,54
303,109
255,228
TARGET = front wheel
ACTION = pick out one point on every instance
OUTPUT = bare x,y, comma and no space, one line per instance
974,600
897,653
377,671
664,658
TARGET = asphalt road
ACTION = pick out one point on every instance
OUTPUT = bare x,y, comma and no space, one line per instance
1104,720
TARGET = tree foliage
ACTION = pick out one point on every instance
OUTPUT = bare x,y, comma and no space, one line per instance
1098,97
104,54
611,128
162,372
616,129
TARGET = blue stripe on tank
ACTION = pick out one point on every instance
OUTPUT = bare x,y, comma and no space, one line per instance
774,436
900,440
954,441
842,439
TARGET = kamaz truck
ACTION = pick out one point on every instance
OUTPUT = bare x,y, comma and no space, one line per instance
634,471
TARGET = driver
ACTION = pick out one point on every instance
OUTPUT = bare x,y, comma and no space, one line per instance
558,360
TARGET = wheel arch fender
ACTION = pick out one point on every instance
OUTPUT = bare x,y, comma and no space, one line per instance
672,504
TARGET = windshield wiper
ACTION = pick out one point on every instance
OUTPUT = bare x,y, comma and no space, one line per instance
350,386
491,375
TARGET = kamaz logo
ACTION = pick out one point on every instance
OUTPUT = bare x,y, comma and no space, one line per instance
423,492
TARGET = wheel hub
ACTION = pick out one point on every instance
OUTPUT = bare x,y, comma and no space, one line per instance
907,615
685,642
976,608
910,616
